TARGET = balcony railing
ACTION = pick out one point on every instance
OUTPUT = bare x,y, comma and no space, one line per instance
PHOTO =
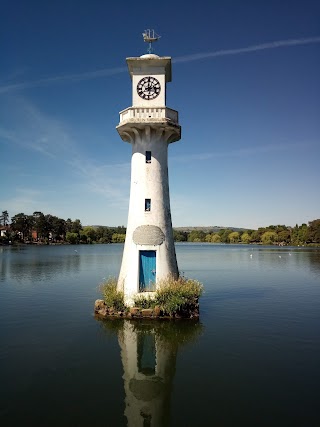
150,114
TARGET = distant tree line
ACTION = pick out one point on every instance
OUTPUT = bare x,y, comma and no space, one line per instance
271,235
41,228
46,229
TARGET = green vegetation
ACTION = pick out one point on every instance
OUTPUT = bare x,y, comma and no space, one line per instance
41,228
271,235
112,297
172,295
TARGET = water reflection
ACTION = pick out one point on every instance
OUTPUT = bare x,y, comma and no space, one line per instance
148,354
36,264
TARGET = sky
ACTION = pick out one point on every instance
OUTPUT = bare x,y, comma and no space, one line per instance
245,80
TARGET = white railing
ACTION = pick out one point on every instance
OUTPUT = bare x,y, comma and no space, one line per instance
144,114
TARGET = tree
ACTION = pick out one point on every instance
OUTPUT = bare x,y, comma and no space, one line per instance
76,226
118,238
215,238
313,234
197,236
284,236
224,235
303,234
4,218
22,224
39,224
180,236
234,237
58,228
90,232
72,238
245,238
69,224
269,237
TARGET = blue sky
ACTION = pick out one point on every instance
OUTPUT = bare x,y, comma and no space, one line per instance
245,82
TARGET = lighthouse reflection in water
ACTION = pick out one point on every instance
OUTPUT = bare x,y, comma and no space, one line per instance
148,354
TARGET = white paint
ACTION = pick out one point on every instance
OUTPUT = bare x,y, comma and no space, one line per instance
148,126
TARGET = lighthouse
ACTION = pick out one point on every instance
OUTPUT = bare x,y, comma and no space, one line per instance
149,126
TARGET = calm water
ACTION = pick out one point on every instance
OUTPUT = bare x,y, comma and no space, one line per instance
252,360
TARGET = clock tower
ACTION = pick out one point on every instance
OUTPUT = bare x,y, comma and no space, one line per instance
149,126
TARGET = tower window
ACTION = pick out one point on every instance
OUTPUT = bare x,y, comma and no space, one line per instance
147,205
148,156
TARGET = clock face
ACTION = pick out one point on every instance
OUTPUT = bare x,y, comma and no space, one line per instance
148,88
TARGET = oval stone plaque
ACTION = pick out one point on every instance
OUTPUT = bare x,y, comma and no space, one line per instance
148,235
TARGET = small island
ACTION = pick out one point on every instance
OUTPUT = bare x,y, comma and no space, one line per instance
173,299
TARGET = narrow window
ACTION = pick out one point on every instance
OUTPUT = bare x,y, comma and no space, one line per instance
147,205
148,156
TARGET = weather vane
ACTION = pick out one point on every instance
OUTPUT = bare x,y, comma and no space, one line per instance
150,36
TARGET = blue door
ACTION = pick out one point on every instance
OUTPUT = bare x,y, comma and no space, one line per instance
147,271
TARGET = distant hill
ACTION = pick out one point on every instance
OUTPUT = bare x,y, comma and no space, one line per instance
208,229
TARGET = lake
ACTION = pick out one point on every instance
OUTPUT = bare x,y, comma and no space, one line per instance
253,359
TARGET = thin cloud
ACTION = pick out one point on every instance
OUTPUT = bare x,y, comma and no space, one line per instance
32,130
254,48
188,58
241,152
67,77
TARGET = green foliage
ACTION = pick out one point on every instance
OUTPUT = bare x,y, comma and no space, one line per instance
90,233
268,237
234,237
215,238
197,236
172,294
245,238
4,218
313,234
180,236
118,238
224,235
50,229
72,238
144,301
112,296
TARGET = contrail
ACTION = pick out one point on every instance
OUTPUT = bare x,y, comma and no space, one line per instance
254,48
67,77
188,58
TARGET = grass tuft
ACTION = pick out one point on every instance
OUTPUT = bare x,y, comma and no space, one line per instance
173,295
112,297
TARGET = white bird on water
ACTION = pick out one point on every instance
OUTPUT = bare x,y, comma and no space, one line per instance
279,256
250,255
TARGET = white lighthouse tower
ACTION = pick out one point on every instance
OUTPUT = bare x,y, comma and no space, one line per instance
149,126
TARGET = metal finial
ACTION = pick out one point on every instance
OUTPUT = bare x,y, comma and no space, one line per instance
150,36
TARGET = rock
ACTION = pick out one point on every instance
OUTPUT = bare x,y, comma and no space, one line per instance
147,312
135,310
157,311
103,311
99,304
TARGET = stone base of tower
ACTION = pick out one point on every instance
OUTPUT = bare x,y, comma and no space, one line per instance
190,311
